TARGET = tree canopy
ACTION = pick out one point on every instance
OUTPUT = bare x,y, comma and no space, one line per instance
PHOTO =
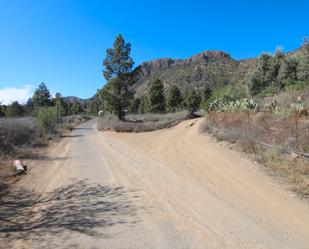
156,96
41,96
118,72
174,98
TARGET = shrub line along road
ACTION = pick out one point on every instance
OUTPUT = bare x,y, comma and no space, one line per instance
173,188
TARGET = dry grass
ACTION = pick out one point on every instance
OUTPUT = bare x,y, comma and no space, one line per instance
294,170
249,131
141,123
20,139
16,134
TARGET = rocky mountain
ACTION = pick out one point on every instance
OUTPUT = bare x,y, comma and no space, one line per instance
209,68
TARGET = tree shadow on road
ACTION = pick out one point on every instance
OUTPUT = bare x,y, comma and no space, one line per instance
80,206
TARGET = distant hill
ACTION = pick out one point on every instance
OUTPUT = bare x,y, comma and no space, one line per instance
209,68
71,99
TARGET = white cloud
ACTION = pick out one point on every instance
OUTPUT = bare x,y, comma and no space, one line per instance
20,94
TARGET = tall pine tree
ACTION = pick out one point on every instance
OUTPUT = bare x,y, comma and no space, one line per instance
118,72
41,96
174,99
156,97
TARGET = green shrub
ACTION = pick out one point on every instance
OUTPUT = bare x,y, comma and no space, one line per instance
174,99
156,97
296,85
269,91
47,118
192,101
14,110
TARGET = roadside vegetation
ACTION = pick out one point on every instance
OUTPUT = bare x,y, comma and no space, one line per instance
266,114
141,122
25,129
156,109
273,125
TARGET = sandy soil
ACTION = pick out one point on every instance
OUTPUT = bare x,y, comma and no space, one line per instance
172,188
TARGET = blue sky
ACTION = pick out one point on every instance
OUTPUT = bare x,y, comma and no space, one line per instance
63,42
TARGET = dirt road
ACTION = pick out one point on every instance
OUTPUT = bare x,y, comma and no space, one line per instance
172,188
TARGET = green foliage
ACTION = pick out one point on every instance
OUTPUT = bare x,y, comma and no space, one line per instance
46,119
288,70
261,78
267,73
298,107
2,110
303,69
75,108
118,72
296,85
95,105
118,62
115,101
135,105
156,96
41,96
59,103
271,106
206,98
192,101
14,110
228,93
269,91
174,99
145,104
234,93
220,105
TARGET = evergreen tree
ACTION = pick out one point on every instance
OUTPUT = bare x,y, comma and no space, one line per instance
303,69
59,103
192,101
266,73
273,72
174,99
41,96
76,108
135,105
144,106
156,96
2,113
118,72
288,70
14,110
205,98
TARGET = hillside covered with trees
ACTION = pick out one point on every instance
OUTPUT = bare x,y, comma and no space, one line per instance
168,85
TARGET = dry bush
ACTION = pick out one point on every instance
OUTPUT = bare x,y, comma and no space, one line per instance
16,133
262,127
141,123
281,133
294,170
17,138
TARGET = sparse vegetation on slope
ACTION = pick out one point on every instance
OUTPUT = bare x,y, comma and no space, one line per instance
277,135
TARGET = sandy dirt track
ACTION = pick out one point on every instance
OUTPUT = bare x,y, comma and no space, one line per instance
173,188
